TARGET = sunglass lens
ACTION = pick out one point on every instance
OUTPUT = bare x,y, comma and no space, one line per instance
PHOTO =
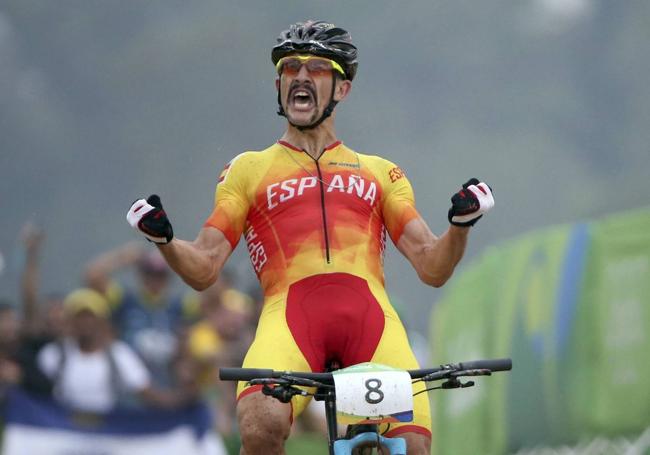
316,66
291,66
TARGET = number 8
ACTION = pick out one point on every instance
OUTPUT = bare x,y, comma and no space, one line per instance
374,390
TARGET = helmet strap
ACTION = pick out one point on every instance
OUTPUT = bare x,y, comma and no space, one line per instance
326,113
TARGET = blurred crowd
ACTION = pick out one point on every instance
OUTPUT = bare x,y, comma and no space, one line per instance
109,344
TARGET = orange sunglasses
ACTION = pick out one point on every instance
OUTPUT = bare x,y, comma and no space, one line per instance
317,66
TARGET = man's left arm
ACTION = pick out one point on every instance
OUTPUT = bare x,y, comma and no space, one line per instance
435,258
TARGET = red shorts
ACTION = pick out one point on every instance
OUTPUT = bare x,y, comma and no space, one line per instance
334,317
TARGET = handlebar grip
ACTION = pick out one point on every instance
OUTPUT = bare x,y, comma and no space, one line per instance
244,374
488,364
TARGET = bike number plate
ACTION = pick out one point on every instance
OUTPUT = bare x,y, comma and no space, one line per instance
373,393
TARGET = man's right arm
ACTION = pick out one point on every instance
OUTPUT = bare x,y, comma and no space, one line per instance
199,262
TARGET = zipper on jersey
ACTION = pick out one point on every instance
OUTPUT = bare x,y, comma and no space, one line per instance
324,212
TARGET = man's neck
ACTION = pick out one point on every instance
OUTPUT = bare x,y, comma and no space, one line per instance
313,141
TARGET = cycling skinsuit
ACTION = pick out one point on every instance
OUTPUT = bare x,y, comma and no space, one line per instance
316,232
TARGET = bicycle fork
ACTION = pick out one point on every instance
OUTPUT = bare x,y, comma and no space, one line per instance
395,446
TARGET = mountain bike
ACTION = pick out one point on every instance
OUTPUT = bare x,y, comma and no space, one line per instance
363,395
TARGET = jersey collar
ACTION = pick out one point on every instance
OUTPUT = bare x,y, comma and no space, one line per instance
286,144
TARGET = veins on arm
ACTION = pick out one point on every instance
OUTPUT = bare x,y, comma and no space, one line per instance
199,262
434,258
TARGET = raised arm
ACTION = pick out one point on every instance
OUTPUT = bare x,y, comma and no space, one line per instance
435,258
199,262
33,241
99,270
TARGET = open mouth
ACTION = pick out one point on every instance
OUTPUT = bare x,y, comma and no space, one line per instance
302,99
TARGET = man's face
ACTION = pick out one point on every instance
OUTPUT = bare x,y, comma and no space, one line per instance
305,94
155,283
85,325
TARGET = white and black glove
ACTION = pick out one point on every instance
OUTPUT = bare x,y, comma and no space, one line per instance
149,218
470,203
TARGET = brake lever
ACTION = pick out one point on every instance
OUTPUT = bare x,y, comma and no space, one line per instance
282,393
454,383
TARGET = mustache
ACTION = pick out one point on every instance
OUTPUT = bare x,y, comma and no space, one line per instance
296,85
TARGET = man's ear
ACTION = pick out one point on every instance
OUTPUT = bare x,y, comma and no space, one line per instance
277,83
342,89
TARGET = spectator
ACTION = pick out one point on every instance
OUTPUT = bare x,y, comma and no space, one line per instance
43,320
223,334
91,371
40,326
10,371
150,317
221,338
20,340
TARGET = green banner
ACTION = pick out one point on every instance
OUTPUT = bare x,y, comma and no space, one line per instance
571,306
531,289
610,355
460,333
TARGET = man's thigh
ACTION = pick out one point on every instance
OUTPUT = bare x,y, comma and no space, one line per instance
274,347
264,424
257,409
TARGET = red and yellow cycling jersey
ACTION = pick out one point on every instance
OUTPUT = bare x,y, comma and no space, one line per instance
316,232
302,217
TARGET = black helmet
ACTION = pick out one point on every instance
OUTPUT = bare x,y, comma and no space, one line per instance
318,38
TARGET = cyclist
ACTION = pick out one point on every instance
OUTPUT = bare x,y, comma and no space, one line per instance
315,215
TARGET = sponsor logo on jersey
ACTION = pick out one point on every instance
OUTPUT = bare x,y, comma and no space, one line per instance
339,163
278,193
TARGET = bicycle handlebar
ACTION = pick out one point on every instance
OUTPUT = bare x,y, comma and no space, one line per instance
246,374
486,364
490,364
